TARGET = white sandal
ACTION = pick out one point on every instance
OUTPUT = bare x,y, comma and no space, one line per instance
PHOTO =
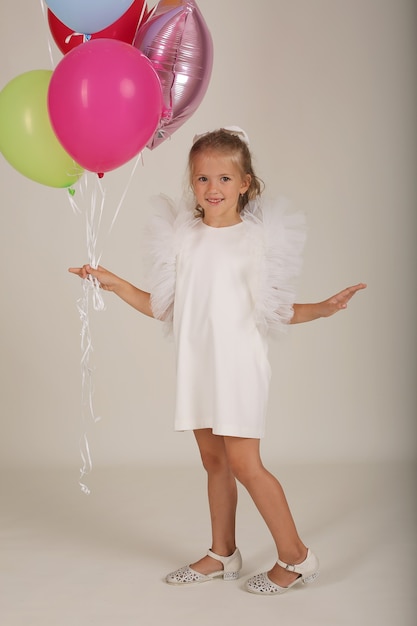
308,571
187,576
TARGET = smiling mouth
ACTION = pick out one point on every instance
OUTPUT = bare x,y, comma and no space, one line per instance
214,200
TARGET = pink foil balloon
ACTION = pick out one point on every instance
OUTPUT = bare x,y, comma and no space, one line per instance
105,103
179,45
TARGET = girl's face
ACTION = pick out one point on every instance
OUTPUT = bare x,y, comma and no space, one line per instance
217,183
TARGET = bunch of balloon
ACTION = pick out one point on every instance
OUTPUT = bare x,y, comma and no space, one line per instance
107,99
178,43
35,119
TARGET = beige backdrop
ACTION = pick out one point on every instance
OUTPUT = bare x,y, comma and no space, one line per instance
326,90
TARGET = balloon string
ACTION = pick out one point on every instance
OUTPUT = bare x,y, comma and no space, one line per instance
151,12
51,57
91,292
87,388
138,159
142,13
94,200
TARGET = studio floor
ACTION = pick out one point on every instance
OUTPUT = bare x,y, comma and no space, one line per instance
70,559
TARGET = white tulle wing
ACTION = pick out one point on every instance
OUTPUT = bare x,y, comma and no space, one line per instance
281,236
163,236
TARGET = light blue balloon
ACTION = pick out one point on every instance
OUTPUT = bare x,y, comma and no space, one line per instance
88,16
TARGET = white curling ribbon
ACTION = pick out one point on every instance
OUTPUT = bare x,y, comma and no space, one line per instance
87,465
90,294
76,209
87,387
93,197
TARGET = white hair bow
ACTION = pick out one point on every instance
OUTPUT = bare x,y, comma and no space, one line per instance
233,130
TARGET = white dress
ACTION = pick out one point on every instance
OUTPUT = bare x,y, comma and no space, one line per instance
222,290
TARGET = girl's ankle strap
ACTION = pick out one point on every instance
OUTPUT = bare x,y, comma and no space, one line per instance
222,559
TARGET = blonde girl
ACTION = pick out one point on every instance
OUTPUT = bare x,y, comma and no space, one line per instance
222,267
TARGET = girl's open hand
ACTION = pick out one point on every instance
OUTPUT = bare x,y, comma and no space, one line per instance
140,300
339,301
106,279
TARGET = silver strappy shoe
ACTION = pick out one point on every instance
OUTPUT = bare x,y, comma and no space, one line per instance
187,576
308,571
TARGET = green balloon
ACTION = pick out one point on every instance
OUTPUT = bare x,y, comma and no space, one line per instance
27,140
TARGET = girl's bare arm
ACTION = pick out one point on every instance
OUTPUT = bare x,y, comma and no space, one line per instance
138,299
313,311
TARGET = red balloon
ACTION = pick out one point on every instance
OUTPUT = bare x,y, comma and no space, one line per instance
123,29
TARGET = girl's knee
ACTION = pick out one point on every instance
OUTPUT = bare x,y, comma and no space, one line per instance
245,471
214,462
244,459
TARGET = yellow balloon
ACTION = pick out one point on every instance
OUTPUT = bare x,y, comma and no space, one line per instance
27,139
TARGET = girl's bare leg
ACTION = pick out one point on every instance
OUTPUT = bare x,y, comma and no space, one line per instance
268,496
222,496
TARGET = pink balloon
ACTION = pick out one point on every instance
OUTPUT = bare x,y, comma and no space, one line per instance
105,103
179,45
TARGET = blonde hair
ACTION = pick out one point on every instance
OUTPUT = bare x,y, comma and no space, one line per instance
227,143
